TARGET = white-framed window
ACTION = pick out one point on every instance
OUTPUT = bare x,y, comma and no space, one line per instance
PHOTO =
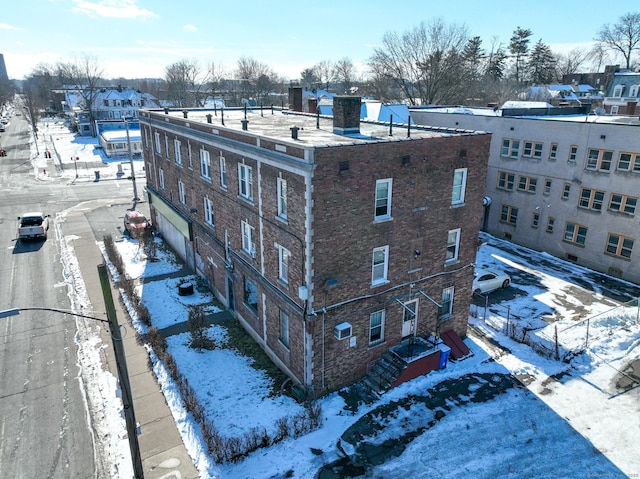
190,154
599,160
282,198
208,212
205,164
245,180
223,172
161,178
453,245
383,199
379,265
614,109
178,151
446,302
283,264
532,149
510,148
575,233
553,151
166,145
284,329
459,186
617,91
633,91
623,203
158,144
248,246
505,180
182,191
573,153
251,295
619,245
629,162
376,328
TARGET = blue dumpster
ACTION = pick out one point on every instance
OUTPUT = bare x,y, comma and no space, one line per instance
444,355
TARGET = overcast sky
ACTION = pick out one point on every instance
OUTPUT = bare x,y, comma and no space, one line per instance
139,38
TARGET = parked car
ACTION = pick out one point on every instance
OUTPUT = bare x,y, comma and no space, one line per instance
487,280
135,223
33,225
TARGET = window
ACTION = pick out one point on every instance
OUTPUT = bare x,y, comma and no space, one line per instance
176,147
376,328
629,162
509,214
547,186
591,199
619,245
161,178
383,200
551,222
251,295
205,164
623,203
510,148
283,265
614,109
247,239
553,152
505,180
535,220
527,183
380,265
574,233
158,144
531,149
599,160
190,153
633,91
245,178
573,153
617,91
182,192
566,189
208,211
453,244
459,186
446,308
166,145
223,172
284,328
282,198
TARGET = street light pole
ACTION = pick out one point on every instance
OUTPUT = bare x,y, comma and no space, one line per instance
133,175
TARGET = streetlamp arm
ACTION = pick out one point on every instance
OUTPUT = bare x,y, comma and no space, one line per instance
16,311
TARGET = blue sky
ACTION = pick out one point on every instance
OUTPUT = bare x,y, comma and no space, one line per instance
139,38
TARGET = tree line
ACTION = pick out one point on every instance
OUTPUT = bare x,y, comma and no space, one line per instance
431,63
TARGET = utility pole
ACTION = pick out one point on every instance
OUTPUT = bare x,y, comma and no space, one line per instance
133,175
123,375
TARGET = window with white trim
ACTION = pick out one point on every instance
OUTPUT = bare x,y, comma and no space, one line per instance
633,91
205,164
623,204
284,329
591,199
617,91
573,153
245,180
208,212
459,186
453,245
161,178
527,183
383,199
178,151
535,219
166,145
553,151
376,328
510,148
575,233
282,198
505,180
158,144
223,172
446,303
182,192
283,264
619,245
379,265
629,162
251,295
599,160
190,154
248,246
532,149
509,214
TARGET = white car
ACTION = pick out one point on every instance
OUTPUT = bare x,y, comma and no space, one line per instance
486,280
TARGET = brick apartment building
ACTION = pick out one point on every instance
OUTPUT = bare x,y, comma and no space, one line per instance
331,239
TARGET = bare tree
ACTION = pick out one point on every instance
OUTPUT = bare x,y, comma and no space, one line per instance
567,64
217,74
599,56
186,84
256,80
344,73
324,73
424,63
622,37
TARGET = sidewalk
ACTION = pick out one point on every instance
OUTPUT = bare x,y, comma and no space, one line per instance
163,452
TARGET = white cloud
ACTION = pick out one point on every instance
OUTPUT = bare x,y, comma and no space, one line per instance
6,26
112,9
191,27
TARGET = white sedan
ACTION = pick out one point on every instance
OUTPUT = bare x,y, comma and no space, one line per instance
486,280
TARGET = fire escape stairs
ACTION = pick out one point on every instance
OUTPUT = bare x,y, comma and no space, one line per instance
384,372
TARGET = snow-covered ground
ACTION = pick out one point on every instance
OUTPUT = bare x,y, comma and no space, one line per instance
573,419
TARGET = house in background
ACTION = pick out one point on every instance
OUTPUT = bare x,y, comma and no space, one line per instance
334,241
120,138
624,94
560,180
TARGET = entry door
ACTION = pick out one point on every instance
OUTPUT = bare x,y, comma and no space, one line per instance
410,318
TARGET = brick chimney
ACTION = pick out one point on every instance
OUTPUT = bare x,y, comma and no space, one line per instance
346,114
313,105
295,98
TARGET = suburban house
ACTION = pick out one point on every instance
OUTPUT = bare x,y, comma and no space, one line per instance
560,180
624,94
120,138
332,240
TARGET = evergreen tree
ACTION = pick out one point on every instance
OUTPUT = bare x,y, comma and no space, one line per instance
519,47
542,64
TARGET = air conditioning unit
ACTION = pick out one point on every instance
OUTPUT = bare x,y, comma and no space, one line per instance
342,330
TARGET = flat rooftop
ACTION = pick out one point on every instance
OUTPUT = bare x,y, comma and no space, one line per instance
313,130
